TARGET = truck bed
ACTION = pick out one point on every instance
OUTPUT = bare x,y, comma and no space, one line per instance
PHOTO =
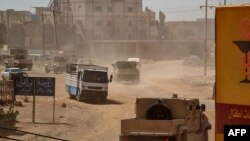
150,127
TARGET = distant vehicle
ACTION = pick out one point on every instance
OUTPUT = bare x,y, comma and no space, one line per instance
169,119
134,59
18,58
87,82
80,60
57,64
137,60
126,71
8,73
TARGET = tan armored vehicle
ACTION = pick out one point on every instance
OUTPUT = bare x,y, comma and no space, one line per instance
18,58
126,71
170,119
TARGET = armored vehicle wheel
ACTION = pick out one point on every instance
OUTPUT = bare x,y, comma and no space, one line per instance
158,111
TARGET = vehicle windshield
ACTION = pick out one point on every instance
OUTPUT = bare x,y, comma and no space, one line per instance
95,76
126,64
15,70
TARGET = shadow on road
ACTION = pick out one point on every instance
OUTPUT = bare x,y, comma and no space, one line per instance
5,133
108,102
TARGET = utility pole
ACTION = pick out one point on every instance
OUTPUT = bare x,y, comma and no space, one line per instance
55,30
43,44
57,47
205,38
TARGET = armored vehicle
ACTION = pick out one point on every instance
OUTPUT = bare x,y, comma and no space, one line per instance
171,119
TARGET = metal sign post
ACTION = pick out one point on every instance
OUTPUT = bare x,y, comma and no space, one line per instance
34,107
35,86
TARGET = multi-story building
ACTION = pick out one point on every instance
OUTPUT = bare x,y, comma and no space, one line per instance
191,30
10,16
106,19
11,22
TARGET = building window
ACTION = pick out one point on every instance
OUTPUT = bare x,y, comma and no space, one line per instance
130,9
110,9
98,9
130,23
109,23
98,23
130,37
152,23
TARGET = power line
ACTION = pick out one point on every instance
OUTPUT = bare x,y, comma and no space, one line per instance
180,11
184,7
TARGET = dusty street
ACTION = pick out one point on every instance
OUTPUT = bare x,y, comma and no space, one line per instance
85,121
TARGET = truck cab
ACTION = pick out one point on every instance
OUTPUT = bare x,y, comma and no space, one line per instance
87,82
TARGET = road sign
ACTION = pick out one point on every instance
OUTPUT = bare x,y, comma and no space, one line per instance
35,86
39,86
232,67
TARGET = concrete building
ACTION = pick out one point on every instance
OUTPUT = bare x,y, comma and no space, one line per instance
10,16
11,27
191,30
106,19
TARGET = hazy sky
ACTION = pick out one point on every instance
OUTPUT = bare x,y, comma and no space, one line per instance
174,9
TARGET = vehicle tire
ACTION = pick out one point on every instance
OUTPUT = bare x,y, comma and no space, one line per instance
158,111
102,98
55,70
78,96
71,96
29,68
204,136
3,78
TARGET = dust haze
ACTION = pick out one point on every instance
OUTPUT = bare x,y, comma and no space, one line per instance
171,56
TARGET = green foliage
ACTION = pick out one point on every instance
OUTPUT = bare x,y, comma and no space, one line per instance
8,118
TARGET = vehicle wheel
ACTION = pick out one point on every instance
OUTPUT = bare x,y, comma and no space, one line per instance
55,70
158,111
29,68
71,96
204,136
102,99
78,96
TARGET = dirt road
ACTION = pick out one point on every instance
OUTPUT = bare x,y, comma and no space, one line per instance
83,121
